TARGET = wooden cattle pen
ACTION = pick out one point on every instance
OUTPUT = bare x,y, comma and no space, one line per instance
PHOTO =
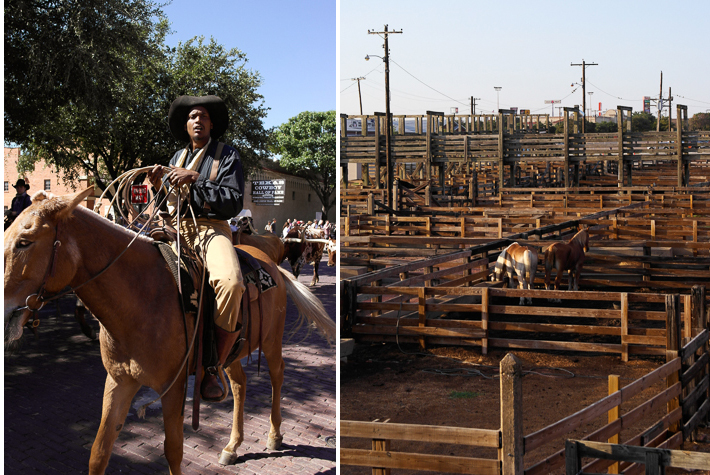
510,154
659,410
420,235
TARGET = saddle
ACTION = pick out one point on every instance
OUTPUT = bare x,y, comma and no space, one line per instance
190,272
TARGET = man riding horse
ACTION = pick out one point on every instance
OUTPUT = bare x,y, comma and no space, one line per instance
213,172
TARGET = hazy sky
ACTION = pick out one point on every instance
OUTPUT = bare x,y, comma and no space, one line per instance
290,43
466,48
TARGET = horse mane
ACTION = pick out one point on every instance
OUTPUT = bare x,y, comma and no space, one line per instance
579,238
91,215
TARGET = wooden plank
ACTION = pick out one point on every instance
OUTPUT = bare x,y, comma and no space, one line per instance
413,461
421,433
630,453
693,345
694,370
648,380
572,422
554,345
697,418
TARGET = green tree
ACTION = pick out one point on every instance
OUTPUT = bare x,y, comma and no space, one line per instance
700,121
110,121
60,54
643,122
606,127
306,144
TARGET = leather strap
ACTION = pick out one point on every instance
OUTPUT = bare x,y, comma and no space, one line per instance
215,161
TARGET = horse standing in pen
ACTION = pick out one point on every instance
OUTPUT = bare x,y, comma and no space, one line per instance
520,261
567,256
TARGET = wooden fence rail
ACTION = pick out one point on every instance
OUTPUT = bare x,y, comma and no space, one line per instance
509,149
667,425
654,459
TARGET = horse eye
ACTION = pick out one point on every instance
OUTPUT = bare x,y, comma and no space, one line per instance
22,243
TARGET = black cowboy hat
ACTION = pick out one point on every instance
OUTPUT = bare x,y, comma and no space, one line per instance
177,117
21,182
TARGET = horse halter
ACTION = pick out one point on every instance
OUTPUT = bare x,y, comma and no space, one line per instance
51,268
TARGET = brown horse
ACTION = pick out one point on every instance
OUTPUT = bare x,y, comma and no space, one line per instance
56,243
568,257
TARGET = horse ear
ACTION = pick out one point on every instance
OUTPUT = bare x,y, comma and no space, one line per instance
73,200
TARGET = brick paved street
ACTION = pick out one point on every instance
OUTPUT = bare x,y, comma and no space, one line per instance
54,387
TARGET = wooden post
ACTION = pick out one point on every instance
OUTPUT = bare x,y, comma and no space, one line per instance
565,150
484,320
620,122
501,168
697,309
370,204
679,147
422,314
613,415
672,348
573,462
624,327
380,445
378,183
511,416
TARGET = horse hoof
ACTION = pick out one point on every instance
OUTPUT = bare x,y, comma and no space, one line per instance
274,444
228,458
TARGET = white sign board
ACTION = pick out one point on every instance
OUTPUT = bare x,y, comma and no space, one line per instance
268,192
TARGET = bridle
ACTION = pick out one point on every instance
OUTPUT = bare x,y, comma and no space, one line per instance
47,275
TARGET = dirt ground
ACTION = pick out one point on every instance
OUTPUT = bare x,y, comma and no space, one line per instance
459,387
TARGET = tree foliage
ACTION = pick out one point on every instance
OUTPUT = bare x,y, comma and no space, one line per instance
306,144
643,122
110,115
700,121
63,53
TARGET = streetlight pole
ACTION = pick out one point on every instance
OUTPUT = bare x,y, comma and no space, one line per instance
497,88
388,117
590,102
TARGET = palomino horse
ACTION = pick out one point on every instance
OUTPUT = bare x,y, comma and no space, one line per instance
56,243
520,261
568,257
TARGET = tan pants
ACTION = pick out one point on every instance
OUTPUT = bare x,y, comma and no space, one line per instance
225,276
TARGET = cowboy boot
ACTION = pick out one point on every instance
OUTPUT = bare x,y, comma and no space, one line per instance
210,388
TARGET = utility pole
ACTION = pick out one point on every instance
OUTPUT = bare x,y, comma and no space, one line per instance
584,89
473,104
660,105
388,116
670,109
358,91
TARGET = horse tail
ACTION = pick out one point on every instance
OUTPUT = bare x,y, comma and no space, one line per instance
309,306
549,264
530,260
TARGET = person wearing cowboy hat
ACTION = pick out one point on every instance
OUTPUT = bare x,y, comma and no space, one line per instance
212,171
21,201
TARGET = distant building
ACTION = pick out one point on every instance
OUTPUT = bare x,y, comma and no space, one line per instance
43,177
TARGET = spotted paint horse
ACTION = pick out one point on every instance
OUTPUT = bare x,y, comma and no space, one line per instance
519,261
299,251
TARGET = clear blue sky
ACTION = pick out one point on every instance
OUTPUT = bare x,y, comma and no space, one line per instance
290,43
466,48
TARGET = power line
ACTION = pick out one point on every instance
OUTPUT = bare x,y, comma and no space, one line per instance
448,97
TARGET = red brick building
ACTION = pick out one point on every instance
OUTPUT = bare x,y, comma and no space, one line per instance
43,177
